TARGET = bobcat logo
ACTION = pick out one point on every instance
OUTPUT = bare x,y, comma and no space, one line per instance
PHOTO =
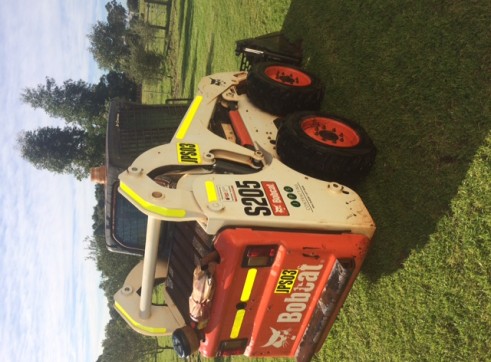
280,338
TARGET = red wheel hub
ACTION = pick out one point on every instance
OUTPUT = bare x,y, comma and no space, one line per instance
288,76
330,132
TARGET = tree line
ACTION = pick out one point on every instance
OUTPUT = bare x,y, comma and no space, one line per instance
118,46
80,144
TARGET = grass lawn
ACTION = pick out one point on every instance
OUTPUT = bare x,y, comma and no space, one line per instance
416,76
202,40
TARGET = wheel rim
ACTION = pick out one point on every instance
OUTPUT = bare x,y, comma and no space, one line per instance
288,76
330,132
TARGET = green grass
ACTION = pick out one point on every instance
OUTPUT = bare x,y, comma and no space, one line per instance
416,75
437,305
156,91
202,40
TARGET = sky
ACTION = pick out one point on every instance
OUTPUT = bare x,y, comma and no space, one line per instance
51,307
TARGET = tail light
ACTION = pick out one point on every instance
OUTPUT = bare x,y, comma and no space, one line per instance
259,256
232,347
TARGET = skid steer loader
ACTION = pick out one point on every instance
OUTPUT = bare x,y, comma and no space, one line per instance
247,222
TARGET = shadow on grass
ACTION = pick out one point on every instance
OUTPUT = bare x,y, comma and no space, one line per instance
192,70
186,34
182,15
211,55
412,75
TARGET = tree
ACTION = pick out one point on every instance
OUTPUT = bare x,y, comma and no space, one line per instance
142,62
68,150
132,5
120,45
124,344
73,101
79,102
107,39
117,84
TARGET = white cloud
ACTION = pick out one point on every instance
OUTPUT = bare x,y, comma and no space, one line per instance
48,290
51,306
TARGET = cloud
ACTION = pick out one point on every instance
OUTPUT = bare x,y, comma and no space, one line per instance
48,289
51,306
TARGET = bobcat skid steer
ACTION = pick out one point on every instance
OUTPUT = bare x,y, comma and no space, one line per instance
248,224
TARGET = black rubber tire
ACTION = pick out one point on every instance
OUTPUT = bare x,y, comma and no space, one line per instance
281,98
185,341
346,165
